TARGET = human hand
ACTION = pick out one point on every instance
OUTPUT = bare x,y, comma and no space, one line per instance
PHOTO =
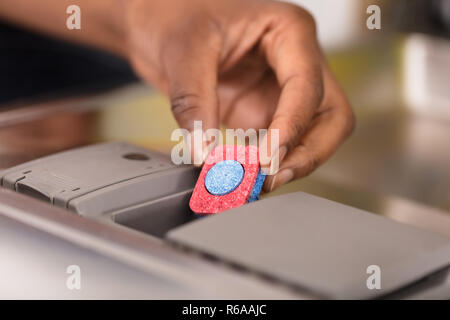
245,64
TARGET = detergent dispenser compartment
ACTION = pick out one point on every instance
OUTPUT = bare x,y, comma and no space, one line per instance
159,216
130,185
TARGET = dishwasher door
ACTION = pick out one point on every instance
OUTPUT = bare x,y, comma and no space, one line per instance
296,241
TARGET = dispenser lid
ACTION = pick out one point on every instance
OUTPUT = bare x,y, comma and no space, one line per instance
318,245
100,178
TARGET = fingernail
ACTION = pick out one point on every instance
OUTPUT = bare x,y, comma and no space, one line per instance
207,148
276,160
283,177
272,183
282,153
197,146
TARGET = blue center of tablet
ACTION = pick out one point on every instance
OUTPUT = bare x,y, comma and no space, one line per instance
224,177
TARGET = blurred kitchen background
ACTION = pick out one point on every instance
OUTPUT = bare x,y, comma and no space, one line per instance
397,162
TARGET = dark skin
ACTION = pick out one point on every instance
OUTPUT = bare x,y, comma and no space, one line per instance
245,64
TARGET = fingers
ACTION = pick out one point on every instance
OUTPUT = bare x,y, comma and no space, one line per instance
315,148
293,53
254,107
191,73
332,125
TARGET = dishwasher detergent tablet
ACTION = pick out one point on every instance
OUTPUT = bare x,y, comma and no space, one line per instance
230,177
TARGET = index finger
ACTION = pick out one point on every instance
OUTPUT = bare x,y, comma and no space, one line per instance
292,52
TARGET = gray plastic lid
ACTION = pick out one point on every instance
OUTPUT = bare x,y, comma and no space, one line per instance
99,178
318,245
